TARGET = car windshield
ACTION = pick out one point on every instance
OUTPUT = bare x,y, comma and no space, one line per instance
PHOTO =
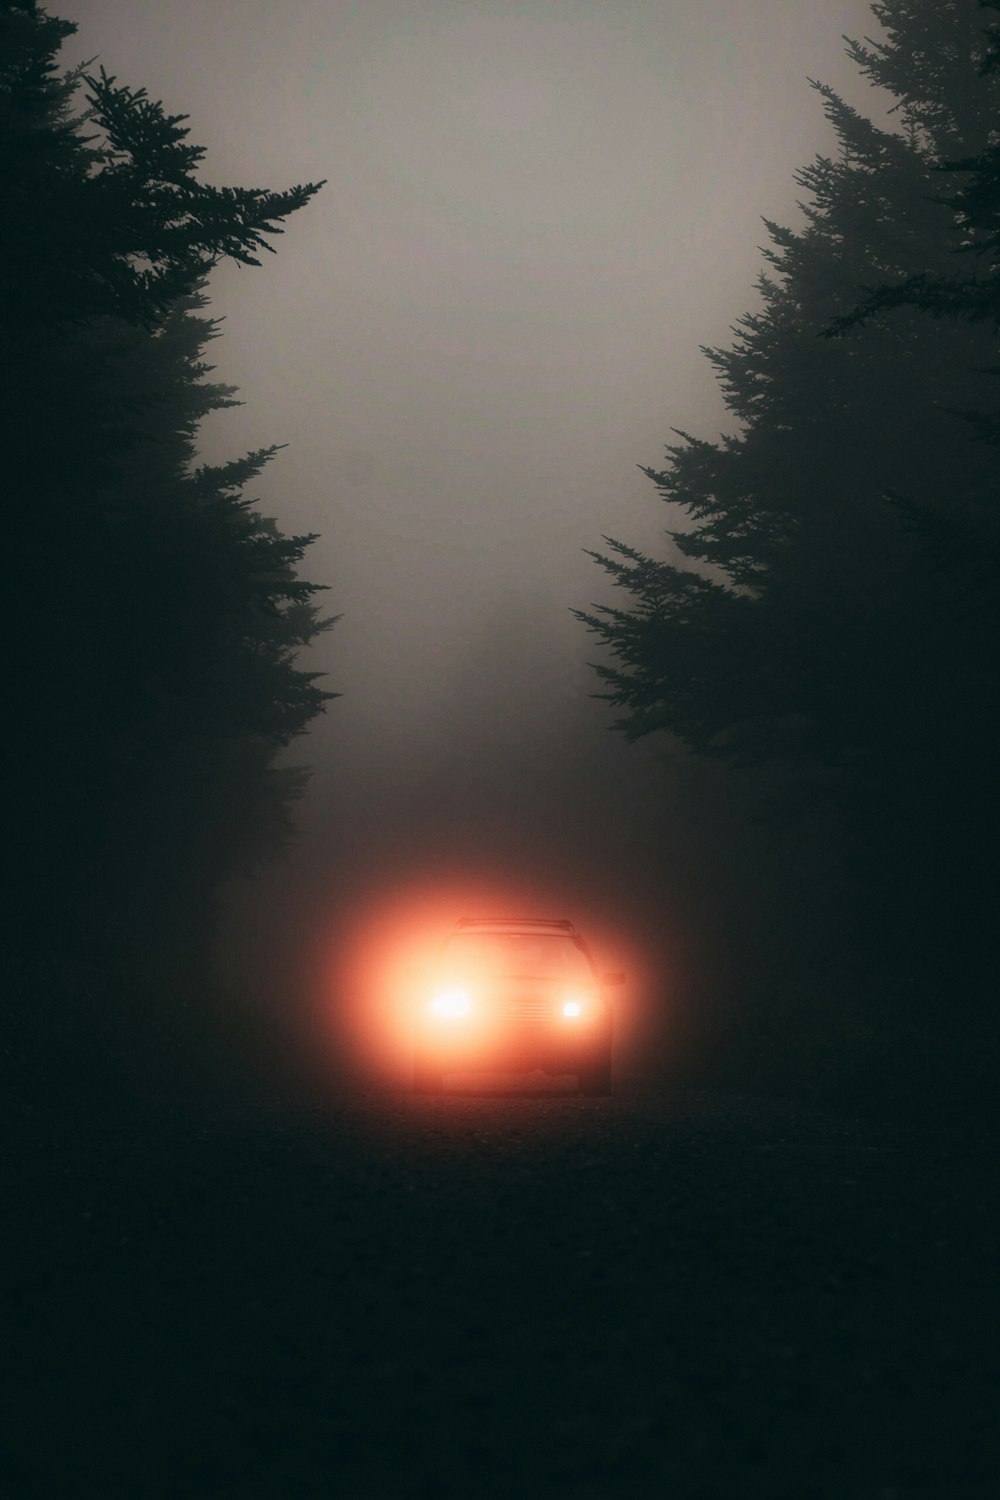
520,955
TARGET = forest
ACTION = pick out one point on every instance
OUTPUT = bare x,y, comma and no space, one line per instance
159,613
763,1263
830,632
824,630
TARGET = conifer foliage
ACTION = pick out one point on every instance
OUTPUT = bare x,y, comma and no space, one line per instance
835,608
160,613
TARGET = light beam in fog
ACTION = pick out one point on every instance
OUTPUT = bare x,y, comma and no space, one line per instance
535,215
381,964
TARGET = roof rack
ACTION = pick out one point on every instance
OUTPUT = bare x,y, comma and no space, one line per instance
560,922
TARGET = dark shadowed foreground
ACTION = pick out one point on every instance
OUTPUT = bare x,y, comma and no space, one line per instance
505,1294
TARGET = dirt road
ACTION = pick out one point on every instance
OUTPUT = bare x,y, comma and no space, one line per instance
510,1293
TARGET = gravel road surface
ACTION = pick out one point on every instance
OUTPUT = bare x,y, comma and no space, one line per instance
507,1291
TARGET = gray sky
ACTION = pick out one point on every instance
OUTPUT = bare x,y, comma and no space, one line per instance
535,213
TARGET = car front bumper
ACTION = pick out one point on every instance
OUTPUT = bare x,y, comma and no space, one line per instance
557,1046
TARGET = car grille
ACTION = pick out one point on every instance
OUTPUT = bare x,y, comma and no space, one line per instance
525,1008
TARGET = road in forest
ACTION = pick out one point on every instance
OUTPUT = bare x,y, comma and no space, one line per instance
508,1291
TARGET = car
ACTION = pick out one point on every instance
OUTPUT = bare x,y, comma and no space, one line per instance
514,994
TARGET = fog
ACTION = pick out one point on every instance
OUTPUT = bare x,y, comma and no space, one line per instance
534,215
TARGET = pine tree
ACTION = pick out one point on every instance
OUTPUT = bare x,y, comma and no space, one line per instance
969,186
827,617
205,691
159,614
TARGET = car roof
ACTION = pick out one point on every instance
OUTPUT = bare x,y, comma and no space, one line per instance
516,924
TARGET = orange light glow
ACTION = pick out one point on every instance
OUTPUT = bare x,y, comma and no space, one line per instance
572,1009
451,1005
383,965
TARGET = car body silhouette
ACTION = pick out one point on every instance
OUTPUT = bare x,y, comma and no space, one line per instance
514,994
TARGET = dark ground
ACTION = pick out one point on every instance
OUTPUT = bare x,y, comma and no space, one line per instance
510,1293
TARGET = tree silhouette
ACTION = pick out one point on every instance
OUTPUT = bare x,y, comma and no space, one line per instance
160,615
831,618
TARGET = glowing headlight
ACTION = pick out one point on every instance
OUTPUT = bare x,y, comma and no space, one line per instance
572,1009
451,1005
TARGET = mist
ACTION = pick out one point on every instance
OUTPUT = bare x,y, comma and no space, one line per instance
533,217
720,1222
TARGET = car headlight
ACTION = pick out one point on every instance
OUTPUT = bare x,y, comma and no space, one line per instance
579,1005
451,1005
